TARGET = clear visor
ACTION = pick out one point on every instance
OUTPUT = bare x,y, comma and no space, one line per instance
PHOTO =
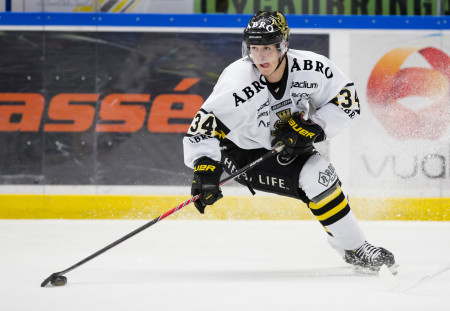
261,54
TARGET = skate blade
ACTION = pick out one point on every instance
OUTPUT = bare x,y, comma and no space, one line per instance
375,270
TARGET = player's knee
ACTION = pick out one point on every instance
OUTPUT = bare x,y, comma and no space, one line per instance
317,176
319,181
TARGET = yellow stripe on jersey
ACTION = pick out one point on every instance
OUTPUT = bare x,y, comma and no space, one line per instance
333,211
331,208
327,199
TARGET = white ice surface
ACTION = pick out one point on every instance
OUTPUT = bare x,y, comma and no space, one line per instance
213,265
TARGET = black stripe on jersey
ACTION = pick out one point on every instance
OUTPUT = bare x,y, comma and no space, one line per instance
221,127
334,101
329,206
338,216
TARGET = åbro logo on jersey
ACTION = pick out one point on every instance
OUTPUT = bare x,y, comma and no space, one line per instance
309,65
249,91
329,175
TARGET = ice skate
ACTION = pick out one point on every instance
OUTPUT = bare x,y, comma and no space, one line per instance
368,259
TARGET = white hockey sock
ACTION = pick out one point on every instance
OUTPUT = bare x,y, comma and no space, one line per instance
347,235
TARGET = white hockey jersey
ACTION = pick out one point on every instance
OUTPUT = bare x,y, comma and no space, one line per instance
242,109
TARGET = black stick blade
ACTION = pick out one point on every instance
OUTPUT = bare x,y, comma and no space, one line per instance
47,280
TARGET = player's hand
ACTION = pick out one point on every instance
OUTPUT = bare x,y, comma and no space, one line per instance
298,135
206,180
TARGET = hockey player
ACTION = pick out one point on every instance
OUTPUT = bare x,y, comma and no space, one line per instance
276,95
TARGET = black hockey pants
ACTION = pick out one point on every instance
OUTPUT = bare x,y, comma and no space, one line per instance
277,175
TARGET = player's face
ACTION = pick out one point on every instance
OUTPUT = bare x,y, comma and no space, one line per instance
265,57
263,54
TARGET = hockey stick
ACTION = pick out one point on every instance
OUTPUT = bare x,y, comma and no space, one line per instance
58,279
396,285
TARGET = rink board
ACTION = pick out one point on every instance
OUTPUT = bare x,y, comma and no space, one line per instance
43,206
397,171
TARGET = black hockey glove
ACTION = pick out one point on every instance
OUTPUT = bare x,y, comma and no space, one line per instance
298,135
207,174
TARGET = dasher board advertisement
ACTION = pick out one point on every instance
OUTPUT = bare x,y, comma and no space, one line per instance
108,108
401,145
109,6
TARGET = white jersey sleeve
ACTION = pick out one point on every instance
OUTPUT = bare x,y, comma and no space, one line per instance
199,140
220,115
337,115
335,102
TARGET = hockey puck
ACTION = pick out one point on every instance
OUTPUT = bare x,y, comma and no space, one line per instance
58,280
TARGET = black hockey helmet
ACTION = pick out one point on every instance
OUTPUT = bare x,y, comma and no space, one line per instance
266,28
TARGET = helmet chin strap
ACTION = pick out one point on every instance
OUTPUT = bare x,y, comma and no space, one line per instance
280,60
